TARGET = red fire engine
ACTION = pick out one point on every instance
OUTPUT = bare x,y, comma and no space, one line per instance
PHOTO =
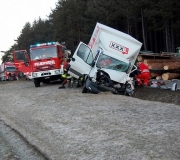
20,56
44,62
8,71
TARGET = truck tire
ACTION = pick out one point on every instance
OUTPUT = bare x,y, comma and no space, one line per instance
84,89
36,83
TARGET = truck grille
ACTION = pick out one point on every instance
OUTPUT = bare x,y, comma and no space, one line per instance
44,68
45,74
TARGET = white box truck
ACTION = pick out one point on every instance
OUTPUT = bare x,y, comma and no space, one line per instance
106,62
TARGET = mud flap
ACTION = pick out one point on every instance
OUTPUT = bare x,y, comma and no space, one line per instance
92,86
174,87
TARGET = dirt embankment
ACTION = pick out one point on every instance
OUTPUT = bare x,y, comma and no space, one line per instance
66,124
158,95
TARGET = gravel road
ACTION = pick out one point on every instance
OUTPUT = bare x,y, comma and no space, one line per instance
48,123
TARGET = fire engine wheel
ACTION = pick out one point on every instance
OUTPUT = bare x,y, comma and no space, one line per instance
46,82
36,83
10,78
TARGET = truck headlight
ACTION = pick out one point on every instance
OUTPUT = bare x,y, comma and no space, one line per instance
34,74
57,71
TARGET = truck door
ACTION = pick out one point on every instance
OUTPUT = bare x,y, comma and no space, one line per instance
21,61
81,61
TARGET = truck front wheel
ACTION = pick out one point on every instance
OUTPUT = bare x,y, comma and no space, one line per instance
36,83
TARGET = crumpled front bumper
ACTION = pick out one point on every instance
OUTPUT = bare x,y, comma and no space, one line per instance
94,88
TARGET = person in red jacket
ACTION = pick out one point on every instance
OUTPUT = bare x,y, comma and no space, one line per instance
144,74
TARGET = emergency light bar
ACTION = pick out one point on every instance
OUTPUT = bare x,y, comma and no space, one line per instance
42,44
21,51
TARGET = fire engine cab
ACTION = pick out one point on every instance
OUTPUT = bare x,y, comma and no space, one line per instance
45,61
19,59
8,71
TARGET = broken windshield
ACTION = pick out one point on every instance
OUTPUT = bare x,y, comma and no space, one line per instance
108,62
42,53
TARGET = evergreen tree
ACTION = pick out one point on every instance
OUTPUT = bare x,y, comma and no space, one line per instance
155,23
23,41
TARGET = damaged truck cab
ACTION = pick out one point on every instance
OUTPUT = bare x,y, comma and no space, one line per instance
106,62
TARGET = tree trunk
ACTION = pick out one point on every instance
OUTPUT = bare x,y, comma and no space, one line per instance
156,66
143,29
155,42
172,65
167,32
153,75
147,61
159,77
169,76
172,38
140,58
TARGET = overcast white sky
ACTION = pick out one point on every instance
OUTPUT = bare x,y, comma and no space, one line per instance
15,13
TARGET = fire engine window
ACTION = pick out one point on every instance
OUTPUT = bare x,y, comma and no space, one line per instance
85,53
41,53
10,69
21,56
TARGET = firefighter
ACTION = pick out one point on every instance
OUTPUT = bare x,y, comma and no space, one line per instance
69,56
144,74
65,76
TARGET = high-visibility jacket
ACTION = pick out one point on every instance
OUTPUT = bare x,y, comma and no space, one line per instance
66,75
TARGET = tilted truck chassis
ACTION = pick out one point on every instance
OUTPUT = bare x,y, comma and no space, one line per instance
106,62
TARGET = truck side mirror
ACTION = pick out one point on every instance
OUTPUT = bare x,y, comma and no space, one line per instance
26,63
